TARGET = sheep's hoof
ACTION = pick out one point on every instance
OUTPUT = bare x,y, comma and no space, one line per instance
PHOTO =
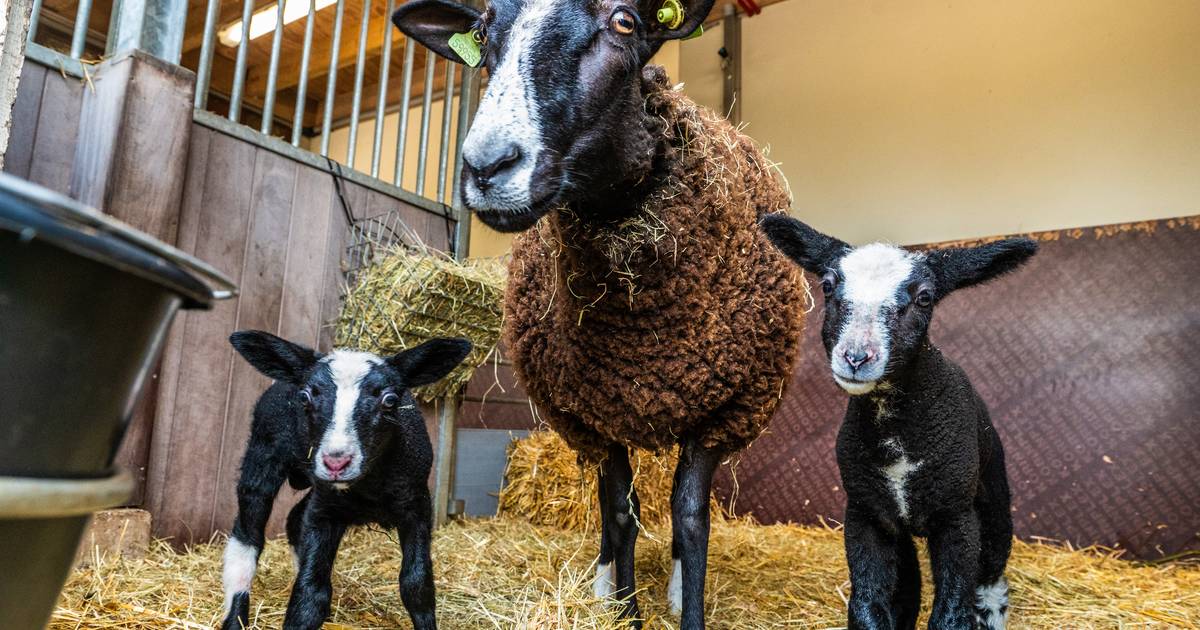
605,583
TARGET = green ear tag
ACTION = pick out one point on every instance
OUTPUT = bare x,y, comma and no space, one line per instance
696,33
467,48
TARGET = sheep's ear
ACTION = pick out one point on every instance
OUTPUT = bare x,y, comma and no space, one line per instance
958,267
430,361
810,249
278,358
662,22
434,22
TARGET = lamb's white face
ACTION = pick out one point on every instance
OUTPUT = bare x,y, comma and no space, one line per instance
873,283
339,455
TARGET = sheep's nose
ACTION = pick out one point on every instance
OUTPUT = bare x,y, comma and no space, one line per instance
856,358
336,462
485,166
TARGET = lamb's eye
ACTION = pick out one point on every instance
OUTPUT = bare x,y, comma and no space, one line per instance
623,22
305,398
389,401
924,298
828,283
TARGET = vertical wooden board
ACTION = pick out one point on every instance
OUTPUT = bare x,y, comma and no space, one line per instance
335,260
58,126
191,211
187,444
259,308
28,105
303,287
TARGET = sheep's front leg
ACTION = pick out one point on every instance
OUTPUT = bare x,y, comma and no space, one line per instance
416,569
308,606
262,475
620,527
690,527
954,554
875,557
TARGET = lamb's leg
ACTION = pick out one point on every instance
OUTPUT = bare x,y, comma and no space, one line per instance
624,511
690,525
995,543
295,520
954,554
262,475
416,569
906,602
874,556
308,606
675,582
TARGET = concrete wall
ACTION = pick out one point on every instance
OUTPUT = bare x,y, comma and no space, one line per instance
924,121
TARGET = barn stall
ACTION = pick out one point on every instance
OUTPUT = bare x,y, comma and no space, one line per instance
271,166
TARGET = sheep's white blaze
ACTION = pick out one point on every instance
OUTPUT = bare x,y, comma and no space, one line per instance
241,561
508,115
606,580
871,276
675,588
897,473
347,369
991,605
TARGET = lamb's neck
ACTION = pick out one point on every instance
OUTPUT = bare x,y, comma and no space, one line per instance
908,391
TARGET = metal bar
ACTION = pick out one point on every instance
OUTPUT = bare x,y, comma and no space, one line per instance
466,111
54,59
268,113
302,89
34,17
444,474
153,26
426,106
239,72
352,144
381,101
204,71
79,37
444,148
731,65
331,82
405,95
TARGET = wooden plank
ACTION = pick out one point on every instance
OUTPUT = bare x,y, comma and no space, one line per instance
259,308
303,286
28,105
58,125
335,256
187,441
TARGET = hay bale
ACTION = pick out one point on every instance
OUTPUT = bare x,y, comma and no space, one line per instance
546,484
407,295
507,573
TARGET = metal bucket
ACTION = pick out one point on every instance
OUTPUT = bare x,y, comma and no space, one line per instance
85,304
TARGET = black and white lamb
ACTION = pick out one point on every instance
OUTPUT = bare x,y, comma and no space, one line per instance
917,451
345,425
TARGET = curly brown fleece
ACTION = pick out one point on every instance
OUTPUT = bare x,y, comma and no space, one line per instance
679,320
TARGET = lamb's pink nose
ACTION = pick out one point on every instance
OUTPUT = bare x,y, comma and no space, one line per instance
336,462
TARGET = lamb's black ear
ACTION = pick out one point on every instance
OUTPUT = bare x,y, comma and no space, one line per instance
810,249
434,22
278,358
958,267
662,22
430,361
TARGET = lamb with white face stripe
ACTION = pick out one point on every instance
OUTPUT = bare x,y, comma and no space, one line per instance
508,118
872,276
347,370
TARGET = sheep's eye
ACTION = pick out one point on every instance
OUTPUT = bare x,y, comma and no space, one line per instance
623,22
305,398
389,401
828,282
924,298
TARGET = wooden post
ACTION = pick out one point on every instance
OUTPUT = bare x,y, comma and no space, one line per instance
14,26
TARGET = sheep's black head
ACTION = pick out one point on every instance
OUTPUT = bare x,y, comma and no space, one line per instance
879,298
353,402
562,118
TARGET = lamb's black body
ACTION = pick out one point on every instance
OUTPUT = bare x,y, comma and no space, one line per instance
392,494
917,450
345,426
957,497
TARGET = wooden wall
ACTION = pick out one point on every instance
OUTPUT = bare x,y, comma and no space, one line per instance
44,126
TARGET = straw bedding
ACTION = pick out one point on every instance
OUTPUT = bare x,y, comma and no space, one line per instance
507,573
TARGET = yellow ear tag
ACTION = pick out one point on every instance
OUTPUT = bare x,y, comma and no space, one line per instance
670,14
466,45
